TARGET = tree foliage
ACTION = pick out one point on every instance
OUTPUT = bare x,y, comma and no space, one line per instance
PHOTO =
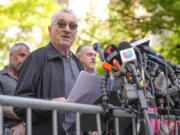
159,17
25,21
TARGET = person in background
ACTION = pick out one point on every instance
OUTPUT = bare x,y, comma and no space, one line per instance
87,55
50,73
8,81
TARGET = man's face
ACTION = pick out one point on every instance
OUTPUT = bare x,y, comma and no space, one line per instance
17,57
63,30
87,56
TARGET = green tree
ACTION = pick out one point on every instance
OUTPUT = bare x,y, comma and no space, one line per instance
161,18
25,21
164,20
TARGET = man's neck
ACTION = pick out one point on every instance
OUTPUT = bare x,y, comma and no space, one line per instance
12,72
89,70
64,50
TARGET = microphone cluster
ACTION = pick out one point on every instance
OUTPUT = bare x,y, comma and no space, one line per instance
139,67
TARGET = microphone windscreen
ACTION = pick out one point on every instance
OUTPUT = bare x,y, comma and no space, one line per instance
133,40
111,52
124,45
178,45
96,45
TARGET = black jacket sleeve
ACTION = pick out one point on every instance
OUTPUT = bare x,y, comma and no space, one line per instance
27,83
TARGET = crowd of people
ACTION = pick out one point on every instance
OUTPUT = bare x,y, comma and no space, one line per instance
47,73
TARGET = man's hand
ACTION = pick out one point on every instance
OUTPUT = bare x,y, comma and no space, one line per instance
60,99
9,113
18,129
92,133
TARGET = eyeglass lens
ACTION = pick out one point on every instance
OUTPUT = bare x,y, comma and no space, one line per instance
62,24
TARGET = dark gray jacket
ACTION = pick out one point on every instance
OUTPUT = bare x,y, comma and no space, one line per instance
42,76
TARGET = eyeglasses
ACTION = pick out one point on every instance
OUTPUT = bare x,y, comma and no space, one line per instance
62,24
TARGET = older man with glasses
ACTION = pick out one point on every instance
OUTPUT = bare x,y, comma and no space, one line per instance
50,72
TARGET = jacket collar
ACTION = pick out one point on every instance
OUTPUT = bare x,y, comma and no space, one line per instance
4,71
53,53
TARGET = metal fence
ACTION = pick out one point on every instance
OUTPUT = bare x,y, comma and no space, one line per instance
31,103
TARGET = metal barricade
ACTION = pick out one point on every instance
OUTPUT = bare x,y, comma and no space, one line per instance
53,106
32,103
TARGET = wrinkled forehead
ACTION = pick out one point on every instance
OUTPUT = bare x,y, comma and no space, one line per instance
66,17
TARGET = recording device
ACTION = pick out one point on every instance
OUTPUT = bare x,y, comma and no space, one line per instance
160,82
129,62
143,44
97,47
171,72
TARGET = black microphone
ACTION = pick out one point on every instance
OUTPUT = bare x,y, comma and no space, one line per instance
124,45
143,44
111,52
178,45
127,55
173,65
97,48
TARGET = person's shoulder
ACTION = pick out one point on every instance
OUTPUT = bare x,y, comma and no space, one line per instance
2,71
39,51
38,54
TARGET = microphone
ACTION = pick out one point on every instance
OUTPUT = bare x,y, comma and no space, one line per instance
97,47
143,44
173,65
139,43
108,66
178,45
128,58
127,54
111,53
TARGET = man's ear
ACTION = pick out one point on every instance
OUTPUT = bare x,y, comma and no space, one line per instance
10,56
78,55
49,29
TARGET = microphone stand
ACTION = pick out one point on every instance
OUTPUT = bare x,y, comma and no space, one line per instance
105,99
105,104
142,98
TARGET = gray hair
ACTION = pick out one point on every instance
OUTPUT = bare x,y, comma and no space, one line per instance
63,10
80,48
16,46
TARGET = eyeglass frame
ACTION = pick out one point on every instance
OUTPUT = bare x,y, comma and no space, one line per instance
61,27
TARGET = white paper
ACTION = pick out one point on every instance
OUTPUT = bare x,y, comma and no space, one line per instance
86,88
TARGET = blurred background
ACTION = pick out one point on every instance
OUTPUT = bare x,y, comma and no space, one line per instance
105,21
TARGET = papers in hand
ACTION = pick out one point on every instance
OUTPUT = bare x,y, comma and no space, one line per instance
86,89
